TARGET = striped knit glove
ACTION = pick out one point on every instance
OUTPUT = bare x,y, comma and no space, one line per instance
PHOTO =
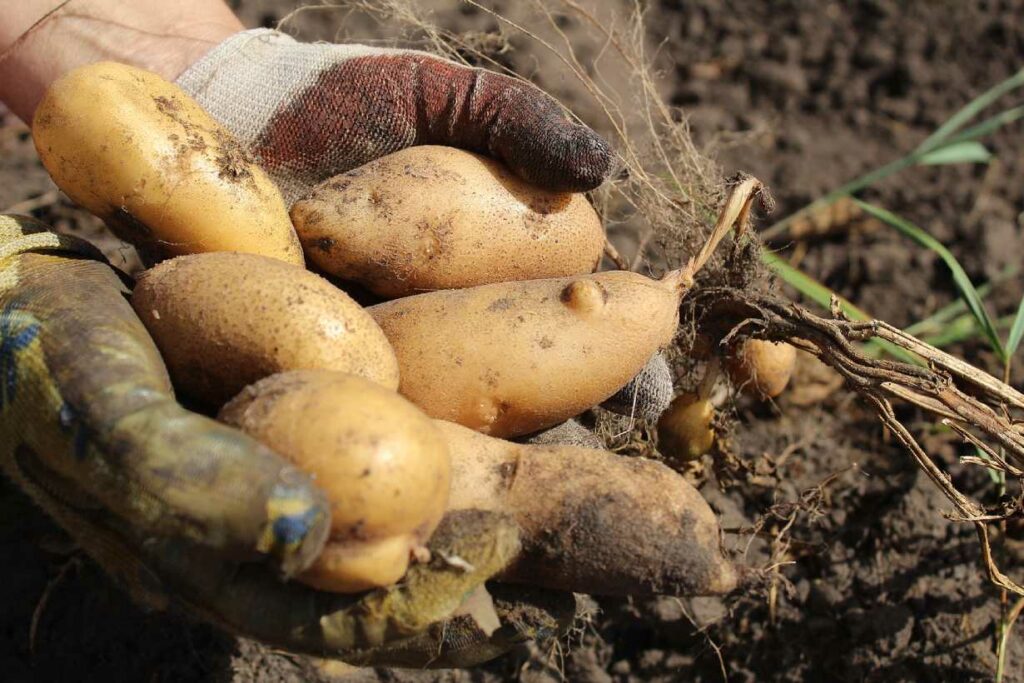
311,111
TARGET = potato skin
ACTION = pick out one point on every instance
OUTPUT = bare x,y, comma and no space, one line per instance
225,320
139,153
513,358
761,368
432,217
382,463
592,521
685,430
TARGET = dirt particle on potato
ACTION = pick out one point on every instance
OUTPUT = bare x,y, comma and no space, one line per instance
325,244
233,161
545,343
502,304
167,105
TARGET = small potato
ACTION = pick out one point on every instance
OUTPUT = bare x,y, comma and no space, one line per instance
139,153
684,430
225,320
513,358
761,368
383,464
592,521
430,217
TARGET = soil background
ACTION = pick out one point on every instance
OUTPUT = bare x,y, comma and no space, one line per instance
877,584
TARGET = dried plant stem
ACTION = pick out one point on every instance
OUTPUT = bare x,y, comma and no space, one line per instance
946,389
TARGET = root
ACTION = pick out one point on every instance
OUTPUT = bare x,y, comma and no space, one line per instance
956,393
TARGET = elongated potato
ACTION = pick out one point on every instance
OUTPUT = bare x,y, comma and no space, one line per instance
432,217
225,320
383,464
513,358
592,521
139,153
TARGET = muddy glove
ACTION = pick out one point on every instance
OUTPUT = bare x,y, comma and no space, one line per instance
311,111
186,511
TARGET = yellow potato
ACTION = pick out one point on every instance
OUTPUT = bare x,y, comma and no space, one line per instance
139,153
684,430
224,320
513,358
432,217
383,464
592,521
761,368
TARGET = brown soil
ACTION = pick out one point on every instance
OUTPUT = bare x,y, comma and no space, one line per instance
877,585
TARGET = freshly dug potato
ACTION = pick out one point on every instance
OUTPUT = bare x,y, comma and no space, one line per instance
684,430
224,320
430,217
592,521
383,464
513,358
139,153
761,368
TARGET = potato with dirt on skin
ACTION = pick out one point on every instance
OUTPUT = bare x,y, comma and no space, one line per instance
225,320
760,367
383,464
429,217
142,155
513,358
592,521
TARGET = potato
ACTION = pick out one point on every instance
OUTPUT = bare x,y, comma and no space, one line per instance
383,464
592,521
684,430
432,217
513,358
761,368
139,153
224,320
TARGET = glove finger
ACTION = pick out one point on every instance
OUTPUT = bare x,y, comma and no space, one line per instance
525,613
247,600
647,395
312,111
83,386
365,107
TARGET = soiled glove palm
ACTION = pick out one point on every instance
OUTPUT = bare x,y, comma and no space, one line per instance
184,510
310,111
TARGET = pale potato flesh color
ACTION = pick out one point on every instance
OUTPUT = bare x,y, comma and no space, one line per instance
431,217
139,153
382,463
512,358
225,320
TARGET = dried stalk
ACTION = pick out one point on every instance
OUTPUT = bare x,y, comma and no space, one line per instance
949,388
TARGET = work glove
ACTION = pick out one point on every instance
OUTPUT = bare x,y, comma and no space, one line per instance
187,512
311,111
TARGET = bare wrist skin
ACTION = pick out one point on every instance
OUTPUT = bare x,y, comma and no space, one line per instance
163,37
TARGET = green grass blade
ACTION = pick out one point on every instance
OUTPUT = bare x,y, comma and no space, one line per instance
1016,331
989,125
970,110
963,283
966,152
822,295
961,329
957,306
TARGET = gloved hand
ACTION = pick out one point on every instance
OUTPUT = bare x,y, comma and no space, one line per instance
184,510
311,111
